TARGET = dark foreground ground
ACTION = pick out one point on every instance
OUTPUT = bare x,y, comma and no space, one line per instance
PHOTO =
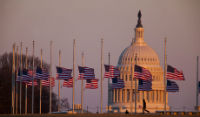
102,115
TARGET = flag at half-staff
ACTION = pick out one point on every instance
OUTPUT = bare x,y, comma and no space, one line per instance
172,86
68,83
117,83
111,71
41,74
142,73
86,73
144,85
173,73
91,84
35,83
47,82
25,76
63,73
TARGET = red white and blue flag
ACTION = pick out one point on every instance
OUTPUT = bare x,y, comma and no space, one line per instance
144,85
91,84
68,83
172,86
173,73
41,74
35,83
25,77
142,73
117,83
47,82
63,73
86,73
111,71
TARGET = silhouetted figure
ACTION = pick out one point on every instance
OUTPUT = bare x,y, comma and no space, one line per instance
144,107
126,112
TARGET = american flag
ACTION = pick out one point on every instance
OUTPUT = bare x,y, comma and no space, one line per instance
91,84
24,77
142,73
63,73
111,71
35,83
41,74
144,85
117,83
173,73
86,73
172,86
47,82
68,83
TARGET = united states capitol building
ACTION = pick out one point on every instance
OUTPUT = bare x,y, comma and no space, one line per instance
138,52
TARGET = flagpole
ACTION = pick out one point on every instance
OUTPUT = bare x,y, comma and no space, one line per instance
50,89
165,70
131,104
41,85
82,84
17,90
20,94
59,83
109,89
74,44
135,87
13,81
26,83
33,79
101,74
197,84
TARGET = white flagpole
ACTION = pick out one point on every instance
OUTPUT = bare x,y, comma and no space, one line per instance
101,74
59,83
33,79
13,81
136,88
109,88
197,84
26,83
17,90
41,85
50,88
20,95
74,45
82,84
165,70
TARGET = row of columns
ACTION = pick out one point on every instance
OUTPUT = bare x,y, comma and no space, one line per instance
124,96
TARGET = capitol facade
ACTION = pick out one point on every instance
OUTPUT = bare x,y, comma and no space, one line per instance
120,100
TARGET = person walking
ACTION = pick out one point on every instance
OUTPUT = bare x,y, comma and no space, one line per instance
144,107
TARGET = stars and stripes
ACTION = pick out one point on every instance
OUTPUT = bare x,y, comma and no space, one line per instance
91,84
47,82
68,83
25,77
173,73
86,73
35,83
142,73
172,86
41,74
63,73
144,85
111,71
117,83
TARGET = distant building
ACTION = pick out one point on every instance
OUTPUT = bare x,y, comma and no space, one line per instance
120,99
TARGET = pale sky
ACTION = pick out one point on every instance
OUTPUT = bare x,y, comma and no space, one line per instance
88,21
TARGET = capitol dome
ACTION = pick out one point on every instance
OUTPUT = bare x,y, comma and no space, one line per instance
138,52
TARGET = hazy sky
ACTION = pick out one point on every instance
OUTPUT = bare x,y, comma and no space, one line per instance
88,21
